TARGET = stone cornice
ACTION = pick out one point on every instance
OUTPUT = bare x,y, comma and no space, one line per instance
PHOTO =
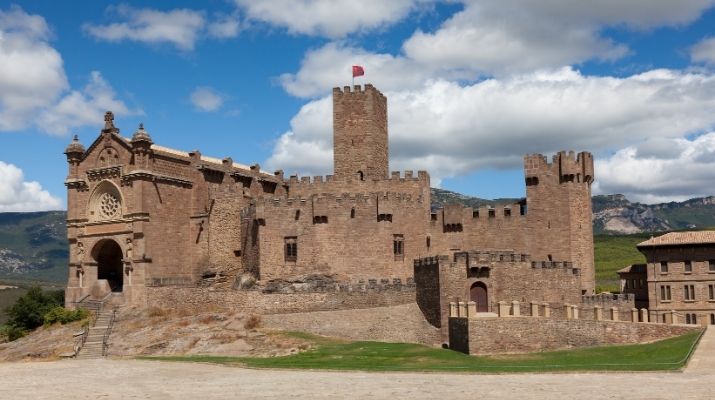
113,171
154,177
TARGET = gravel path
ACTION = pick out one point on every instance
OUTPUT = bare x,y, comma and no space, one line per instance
133,379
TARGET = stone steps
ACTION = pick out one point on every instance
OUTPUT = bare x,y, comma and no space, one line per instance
94,343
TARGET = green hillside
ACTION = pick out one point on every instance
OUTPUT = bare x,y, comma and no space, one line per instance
613,253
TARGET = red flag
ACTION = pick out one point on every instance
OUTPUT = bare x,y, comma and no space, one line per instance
358,71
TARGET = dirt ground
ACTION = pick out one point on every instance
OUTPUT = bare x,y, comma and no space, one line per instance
131,379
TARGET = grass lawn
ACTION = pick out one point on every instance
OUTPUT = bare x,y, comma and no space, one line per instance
613,253
669,354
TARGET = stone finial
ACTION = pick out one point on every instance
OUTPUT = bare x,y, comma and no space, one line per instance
75,147
109,121
141,135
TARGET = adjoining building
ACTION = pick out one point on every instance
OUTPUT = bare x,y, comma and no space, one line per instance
680,277
142,216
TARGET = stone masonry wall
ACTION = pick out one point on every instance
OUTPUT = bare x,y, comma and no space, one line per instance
193,298
526,334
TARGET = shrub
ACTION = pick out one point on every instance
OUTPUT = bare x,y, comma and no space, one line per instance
63,315
29,310
252,322
10,333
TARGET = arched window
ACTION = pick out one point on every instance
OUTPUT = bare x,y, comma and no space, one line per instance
105,204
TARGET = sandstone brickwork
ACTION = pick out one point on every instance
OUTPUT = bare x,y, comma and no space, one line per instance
142,216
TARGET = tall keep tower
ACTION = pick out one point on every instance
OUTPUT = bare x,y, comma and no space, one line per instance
360,133
559,210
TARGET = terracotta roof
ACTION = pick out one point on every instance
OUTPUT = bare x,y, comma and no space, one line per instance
677,238
635,268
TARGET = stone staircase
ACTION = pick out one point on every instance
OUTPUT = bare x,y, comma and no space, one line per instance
94,345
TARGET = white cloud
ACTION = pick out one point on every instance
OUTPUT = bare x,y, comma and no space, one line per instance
494,39
31,71
331,18
499,37
452,129
224,27
206,99
179,27
704,51
652,179
85,107
18,195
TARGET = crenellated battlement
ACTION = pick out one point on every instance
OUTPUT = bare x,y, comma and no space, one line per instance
356,90
395,176
568,166
345,199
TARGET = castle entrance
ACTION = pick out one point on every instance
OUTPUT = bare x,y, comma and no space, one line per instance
478,294
109,264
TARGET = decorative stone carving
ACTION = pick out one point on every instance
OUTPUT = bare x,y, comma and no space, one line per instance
109,206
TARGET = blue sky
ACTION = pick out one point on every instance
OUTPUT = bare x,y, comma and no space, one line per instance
471,86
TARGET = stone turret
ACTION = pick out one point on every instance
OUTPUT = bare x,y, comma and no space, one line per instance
141,146
360,133
74,150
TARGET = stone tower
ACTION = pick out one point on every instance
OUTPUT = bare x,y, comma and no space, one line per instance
360,133
559,210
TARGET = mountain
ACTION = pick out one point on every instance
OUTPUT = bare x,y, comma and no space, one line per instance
33,246
615,214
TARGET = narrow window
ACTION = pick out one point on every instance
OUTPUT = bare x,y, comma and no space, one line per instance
711,292
361,176
291,248
352,212
711,266
398,247
687,318
694,318
663,267
627,284
688,267
665,293
712,319
297,215
689,292
429,242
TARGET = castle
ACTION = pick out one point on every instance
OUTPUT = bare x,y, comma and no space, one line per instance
142,216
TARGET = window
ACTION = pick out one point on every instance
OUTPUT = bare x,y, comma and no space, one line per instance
475,214
492,213
297,215
507,212
691,319
628,284
320,219
429,242
711,292
635,284
663,267
665,292
398,247
711,266
384,217
689,293
352,212
712,319
642,284
291,248
688,267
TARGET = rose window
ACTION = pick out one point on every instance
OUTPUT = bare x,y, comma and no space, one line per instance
108,206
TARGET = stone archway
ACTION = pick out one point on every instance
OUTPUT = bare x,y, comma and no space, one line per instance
478,294
108,255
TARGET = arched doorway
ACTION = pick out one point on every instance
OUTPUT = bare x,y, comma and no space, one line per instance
478,294
109,264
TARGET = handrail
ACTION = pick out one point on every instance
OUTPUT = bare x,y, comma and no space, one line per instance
107,332
81,340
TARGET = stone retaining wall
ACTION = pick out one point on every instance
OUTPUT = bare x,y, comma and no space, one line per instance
528,334
275,303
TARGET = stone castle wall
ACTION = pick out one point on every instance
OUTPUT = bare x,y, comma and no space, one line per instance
527,334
